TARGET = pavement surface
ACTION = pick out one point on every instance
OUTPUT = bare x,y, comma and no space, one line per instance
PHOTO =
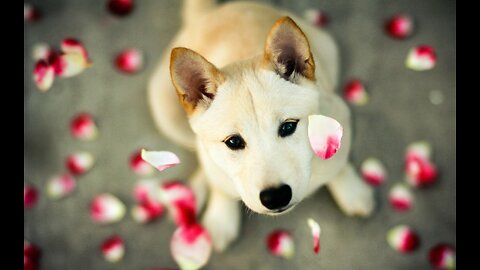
400,111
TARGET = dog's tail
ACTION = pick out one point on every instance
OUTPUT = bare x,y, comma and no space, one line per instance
194,8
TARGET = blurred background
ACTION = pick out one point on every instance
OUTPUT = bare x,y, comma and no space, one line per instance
404,106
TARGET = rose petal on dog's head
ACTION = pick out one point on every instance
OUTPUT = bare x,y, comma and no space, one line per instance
355,93
400,197
442,256
399,26
402,239
420,58
280,243
80,162
113,249
43,75
191,246
373,171
325,135
59,186
160,159
315,228
106,208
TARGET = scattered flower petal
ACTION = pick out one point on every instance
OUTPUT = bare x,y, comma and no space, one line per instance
355,93
280,243
373,171
73,46
402,238
43,75
401,198
442,256
113,249
80,162
138,165
420,149
180,201
30,196
31,13
421,58
146,190
420,171
106,208
160,159
83,127
399,26
43,51
31,256
315,233
69,64
147,212
316,17
191,246
129,61
325,135
120,7
60,186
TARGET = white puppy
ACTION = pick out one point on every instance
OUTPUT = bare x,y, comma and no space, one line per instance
240,95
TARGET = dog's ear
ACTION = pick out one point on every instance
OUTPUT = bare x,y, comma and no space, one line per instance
195,79
287,51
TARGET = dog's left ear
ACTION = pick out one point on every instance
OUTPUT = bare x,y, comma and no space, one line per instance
287,51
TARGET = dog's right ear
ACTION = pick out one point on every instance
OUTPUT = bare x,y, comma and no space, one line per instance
195,79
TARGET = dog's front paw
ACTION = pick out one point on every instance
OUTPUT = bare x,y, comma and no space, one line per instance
362,203
222,220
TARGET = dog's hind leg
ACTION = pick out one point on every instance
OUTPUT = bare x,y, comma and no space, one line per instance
222,219
351,193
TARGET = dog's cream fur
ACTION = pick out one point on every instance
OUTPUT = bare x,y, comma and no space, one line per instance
234,79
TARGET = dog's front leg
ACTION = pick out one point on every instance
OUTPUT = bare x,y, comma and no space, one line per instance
351,193
222,219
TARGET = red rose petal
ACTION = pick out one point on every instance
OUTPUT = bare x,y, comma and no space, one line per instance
373,171
399,26
138,165
315,228
354,92
403,239
43,75
73,46
317,17
113,248
400,197
31,13
80,162
147,212
30,196
191,246
180,200
106,208
31,256
129,61
420,58
60,186
442,256
83,127
120,7
280,243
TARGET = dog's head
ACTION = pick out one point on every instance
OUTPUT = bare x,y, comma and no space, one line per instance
251,117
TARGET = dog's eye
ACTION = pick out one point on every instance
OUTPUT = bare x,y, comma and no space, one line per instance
287,128
235,142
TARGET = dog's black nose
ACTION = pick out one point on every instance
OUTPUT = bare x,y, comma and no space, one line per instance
276,197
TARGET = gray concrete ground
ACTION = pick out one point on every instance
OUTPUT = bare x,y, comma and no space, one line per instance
399,112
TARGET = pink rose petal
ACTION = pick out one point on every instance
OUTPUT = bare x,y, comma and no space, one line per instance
316,17
403,239
80,162
180,200
280,243
138,165
399,26
354,92
420,171
129,61
442,256
316,234
31,256
373,171
401,198
83,127
113,249
421,58
30,196
160,159
191,246
43,75
60,186
120,7
31,13
106,208
73,46
147,212
325,135
69,65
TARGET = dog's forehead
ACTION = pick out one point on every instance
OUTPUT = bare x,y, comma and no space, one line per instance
251,100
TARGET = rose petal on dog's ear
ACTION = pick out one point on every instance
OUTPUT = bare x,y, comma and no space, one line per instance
400,197
113,249
355,93
83,127
160,159
325,135
147,212
31,13
315,233
138,165
442,256
129,61
30,195
191,246
180,200
399,26
120,7
59,186
69,64
80,162
280,243
402,238
420,58
316,17
373,171
73,46
43,75
106,208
